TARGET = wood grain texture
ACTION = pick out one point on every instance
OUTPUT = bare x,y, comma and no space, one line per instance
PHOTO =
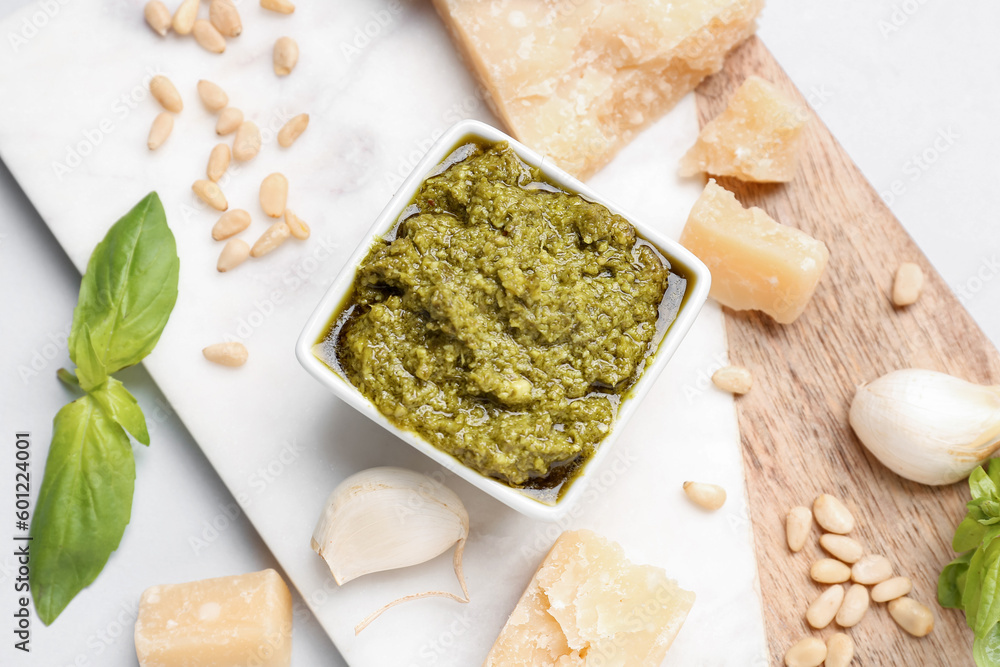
797,442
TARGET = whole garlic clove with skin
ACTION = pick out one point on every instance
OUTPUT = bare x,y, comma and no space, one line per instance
926,426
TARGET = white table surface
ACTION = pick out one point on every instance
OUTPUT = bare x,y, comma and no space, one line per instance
893,80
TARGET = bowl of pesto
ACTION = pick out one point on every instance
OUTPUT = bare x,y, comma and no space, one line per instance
503,319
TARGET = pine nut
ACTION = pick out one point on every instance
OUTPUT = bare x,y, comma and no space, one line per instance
163,125
218,162
185,17
158,17
230,223
822,610
296,225
842,547
280,6
213,96
854,607
274,194
275,235
210,193
871,569
208,37
225,17
912,616
734,379
246,145
166,93
226,354
798,523
234,253
890,589
292,130
808,652
229,121
707,496
907,285
829,571
286,56
832,515
839,650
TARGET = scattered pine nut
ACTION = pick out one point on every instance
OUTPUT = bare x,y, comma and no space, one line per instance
210,193
839,650
808,652
798,523
274,194
230,223
292,130
225,17
218,162
158,17
208,37
166,93
854,606
163,125
842,547
890,589
912,616
822,610
280,6
829,571
227,354
707,496
734,379
286,56
246,145
229,121
871,569
275,235
213,96
907,285
296,225
832,515
234,253
185,16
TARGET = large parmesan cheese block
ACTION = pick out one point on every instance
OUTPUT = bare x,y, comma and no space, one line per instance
757,138
589,606
577,79
224,622
756,263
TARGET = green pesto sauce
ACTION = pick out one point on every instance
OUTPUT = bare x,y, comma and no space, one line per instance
504,319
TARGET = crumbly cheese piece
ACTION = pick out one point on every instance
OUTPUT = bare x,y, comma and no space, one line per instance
588,605
756,263
240,620
577,79
757,138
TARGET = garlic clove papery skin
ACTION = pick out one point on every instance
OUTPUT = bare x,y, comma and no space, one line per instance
926,426
387,518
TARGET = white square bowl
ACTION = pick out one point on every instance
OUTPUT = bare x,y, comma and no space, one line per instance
698,282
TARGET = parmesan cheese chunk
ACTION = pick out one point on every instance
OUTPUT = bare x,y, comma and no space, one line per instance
240,620
577,79
757,138
756,263
588,605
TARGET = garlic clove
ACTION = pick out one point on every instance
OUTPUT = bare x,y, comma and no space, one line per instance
926,426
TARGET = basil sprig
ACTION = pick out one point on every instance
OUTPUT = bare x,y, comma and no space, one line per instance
971,582
85,501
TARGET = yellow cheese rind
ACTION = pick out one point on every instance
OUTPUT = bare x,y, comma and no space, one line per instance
240,620
757,138
587,606
756,263
577,80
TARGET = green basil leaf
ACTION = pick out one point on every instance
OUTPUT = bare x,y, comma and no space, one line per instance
993,470
951,583
972,591
90,371
84,504
989,598
122,407
981,485
968,535
128,291
986,648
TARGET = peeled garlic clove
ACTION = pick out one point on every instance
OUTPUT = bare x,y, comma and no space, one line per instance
927,426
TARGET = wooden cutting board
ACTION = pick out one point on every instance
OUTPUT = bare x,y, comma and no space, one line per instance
797,442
